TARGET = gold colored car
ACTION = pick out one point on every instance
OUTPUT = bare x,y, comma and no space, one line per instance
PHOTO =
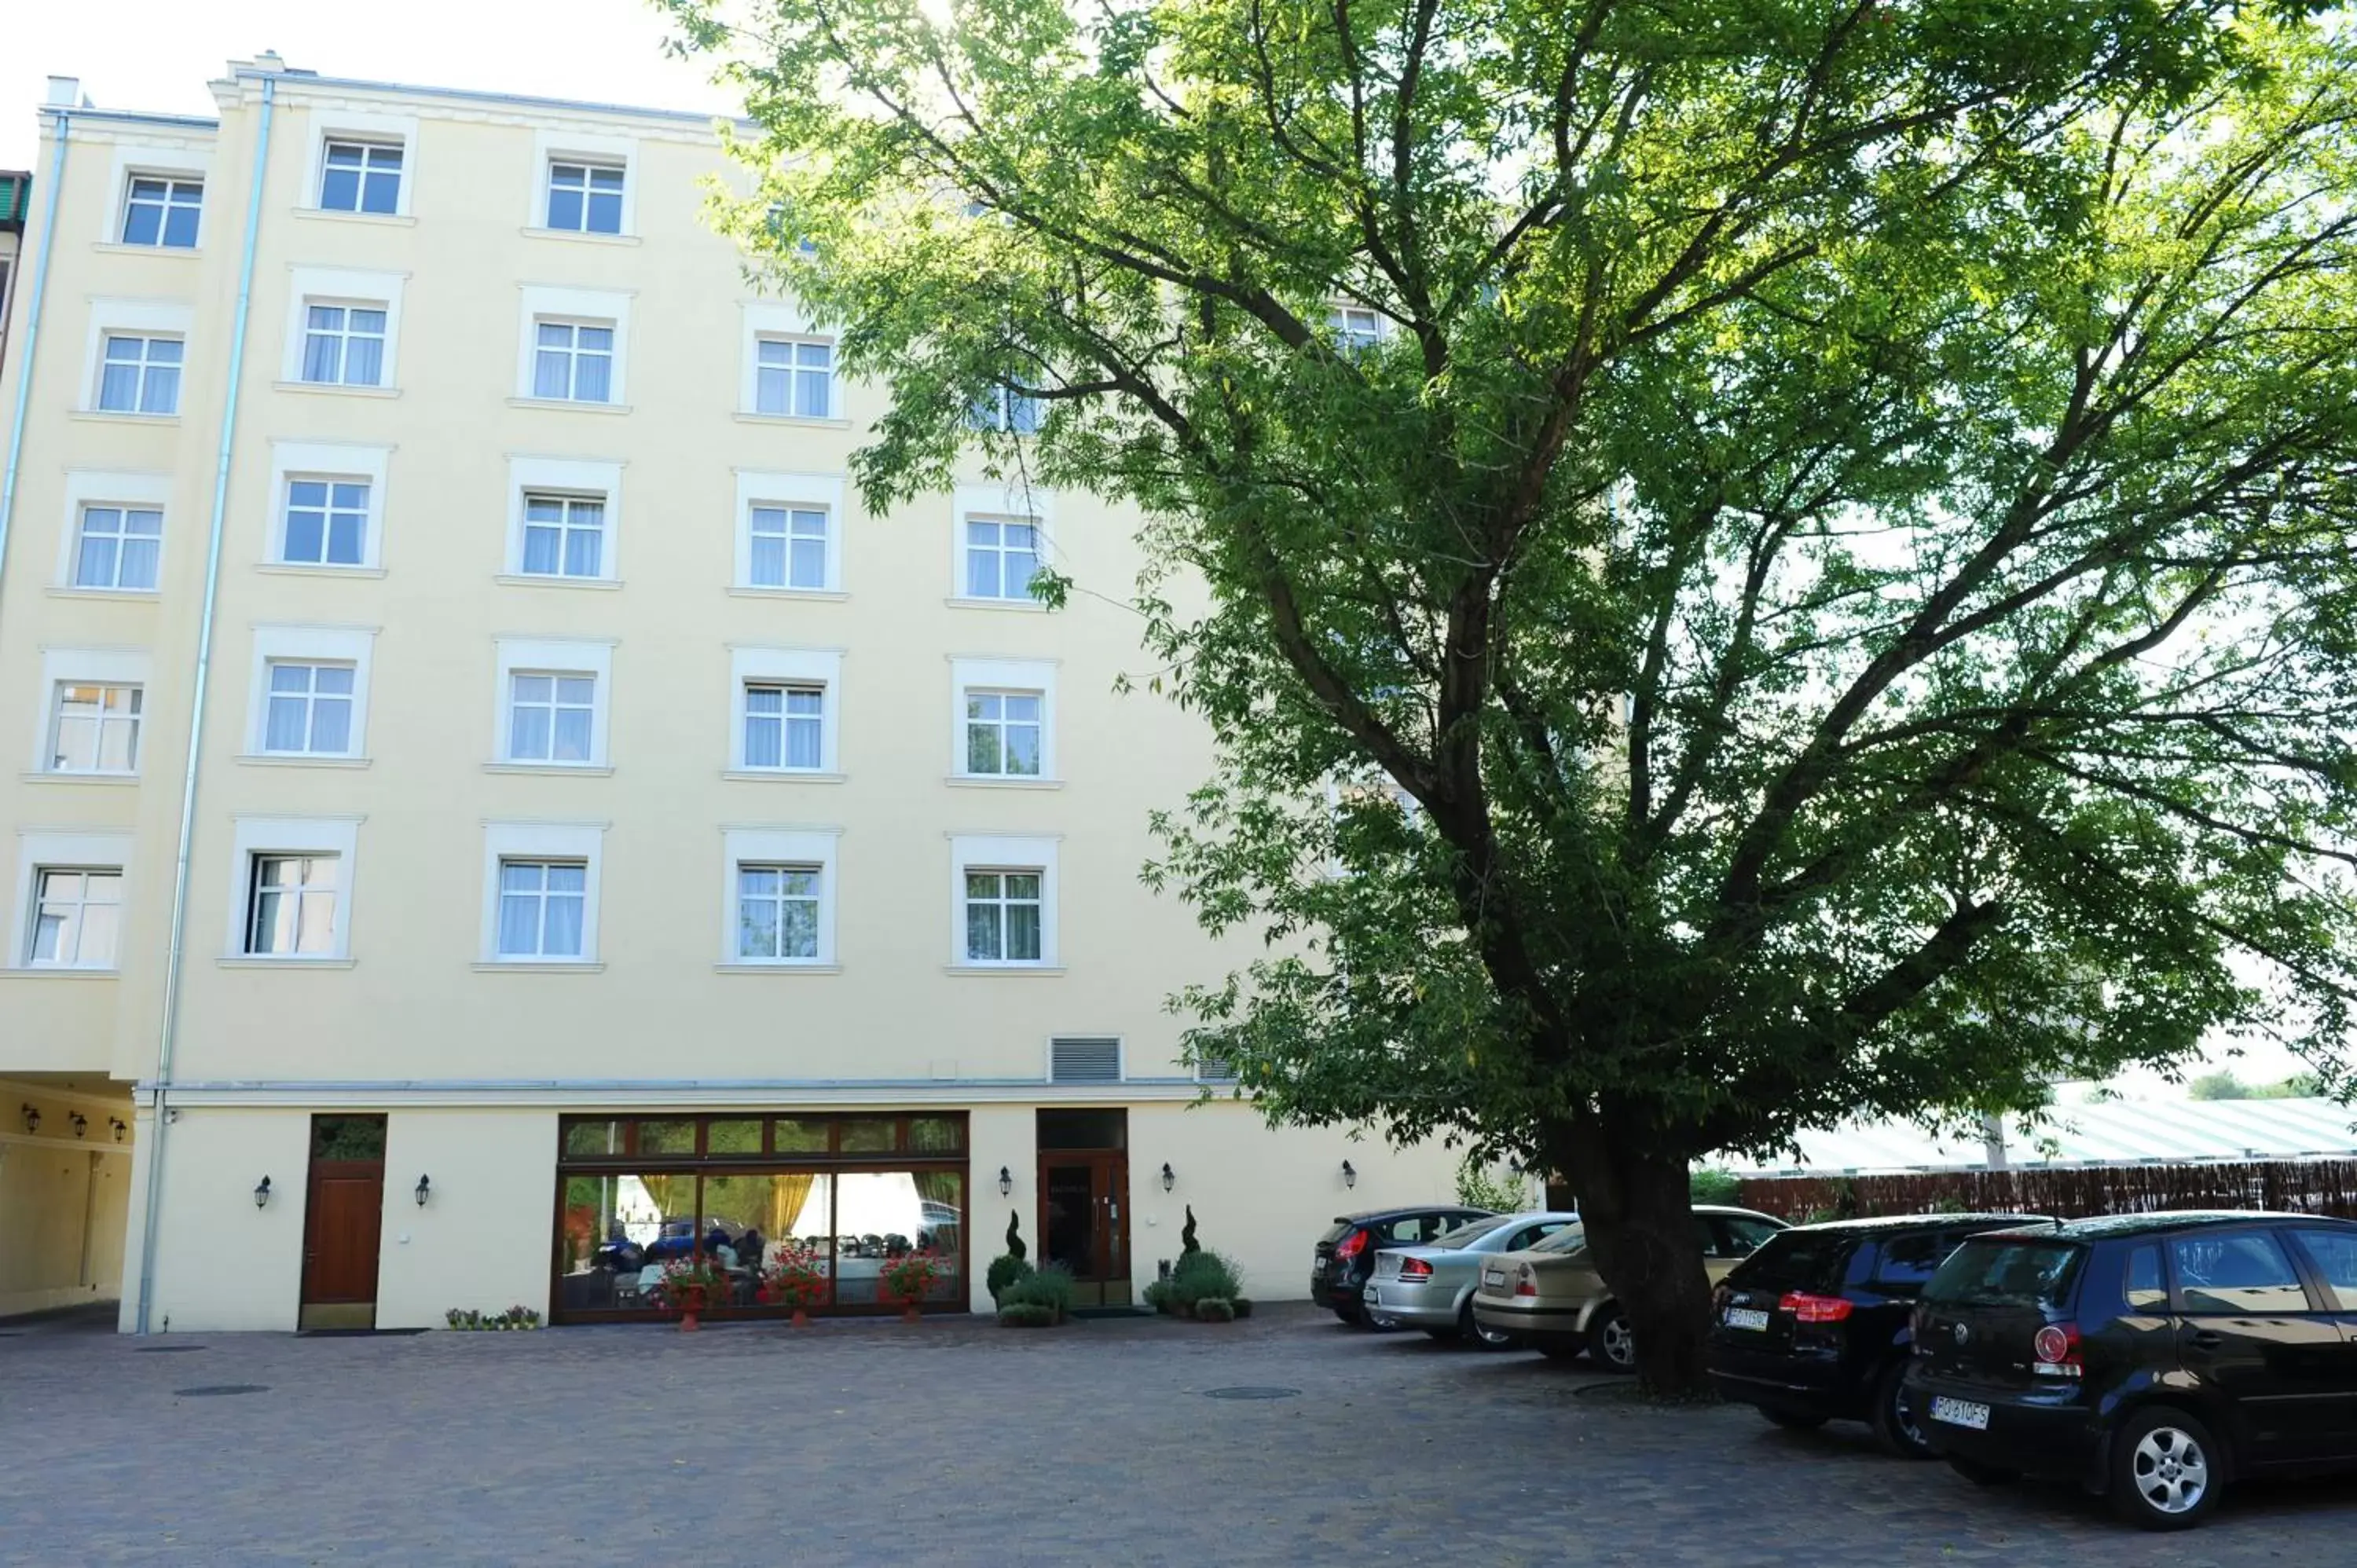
1550,1298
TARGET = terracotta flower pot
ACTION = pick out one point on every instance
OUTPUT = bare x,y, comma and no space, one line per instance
687,1323
909,1314
801,1319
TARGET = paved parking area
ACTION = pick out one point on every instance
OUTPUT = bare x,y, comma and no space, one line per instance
956,1443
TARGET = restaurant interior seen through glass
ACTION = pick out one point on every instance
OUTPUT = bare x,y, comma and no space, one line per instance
636,1193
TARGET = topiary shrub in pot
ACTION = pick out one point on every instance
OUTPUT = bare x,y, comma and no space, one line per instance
1158,1296
1200,1274
1005,1270
1049,1288
1025,1314
1215,1309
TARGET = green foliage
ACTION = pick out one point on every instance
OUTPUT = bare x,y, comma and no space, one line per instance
1015,1247
1157,1295
514,1318
1215,1309
1481,1186
1005,1270
1188,1246
1720,1187
2225,1085
1025,1314
1048,1286
1203,1273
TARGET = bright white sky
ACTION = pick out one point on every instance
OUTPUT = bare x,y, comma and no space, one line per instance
158,54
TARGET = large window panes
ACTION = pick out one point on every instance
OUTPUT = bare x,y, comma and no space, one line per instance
883,1215
617,1231
749,1220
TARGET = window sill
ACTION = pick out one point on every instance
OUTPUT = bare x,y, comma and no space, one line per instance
135,594
987,781
58,972
541,966
751,591
62,777
332,215
297,569
746,417
335,389
593,769
569,406
247,961
117,247
777,969
1024,607
783,775
117,416
1007,969
586,236
293,760
551,580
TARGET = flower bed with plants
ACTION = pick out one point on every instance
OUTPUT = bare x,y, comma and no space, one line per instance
513,1317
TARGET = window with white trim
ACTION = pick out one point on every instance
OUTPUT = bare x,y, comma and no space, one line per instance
1002,557
163,210
1354,328
117,547
1003,733
1008,412
291,906
552,716
788,546
1003,907
794,376
139,374
543,908
309,709
784,725
325,522
573,361
586,198
94,728
778,910
563,536
77,912
343,344
360,176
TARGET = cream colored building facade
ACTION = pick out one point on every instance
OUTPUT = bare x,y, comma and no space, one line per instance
582,777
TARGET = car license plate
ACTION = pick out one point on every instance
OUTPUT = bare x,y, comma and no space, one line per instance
1317,1266
1745,1317
1494,1276
1959,1413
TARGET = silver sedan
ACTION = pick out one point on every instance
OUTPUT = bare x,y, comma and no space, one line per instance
1431,1287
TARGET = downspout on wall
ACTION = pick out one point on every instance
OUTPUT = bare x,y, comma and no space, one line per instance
32,337
168,1035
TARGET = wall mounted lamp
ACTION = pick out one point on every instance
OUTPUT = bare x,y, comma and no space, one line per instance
116,1123
1005,1181
1350,1173
1169,1176
262,1192
425,1188
32,1118
80,1122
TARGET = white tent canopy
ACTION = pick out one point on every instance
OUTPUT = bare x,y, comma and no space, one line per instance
2112,1132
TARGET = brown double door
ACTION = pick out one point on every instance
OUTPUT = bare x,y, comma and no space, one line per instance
1084,1202
343,1220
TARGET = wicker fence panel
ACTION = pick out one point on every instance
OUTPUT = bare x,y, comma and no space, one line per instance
2307,1186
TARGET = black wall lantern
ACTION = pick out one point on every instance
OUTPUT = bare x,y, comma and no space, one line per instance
116,1123
262,1192
1169,1176
1005,1181
425,1186
1350,1173
80,1122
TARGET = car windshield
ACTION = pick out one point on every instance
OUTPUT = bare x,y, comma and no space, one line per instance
1570,1239
1472,1230
2000,1270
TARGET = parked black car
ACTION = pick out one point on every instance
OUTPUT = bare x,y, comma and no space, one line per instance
1345,1258
1817,1325
2156,1358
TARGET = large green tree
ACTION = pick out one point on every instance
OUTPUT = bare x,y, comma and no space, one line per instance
1751,562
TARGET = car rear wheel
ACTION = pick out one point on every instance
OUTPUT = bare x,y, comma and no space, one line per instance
1896,1426
1609,1344
1791,1419
1473,1334
2165,1470
1563,1352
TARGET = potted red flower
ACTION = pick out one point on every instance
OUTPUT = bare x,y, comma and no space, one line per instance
795,1280
908,1279
690,1286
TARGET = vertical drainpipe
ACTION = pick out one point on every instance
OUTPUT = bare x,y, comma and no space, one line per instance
32,338
175,954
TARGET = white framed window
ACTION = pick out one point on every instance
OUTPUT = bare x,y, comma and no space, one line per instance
1003,722
308,695
778,898
562,519
357,176
1002,557
163,209
575,347
292,897
118,548
69,901
586,198
139,374
788,537
795,377
1354,328
540,893
553,704
784,705
94,728
1003,902
1008,412
343,343
330,505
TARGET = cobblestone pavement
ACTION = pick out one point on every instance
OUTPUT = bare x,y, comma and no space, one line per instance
955,1442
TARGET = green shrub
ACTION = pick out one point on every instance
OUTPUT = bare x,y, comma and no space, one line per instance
1158,1295
1242,1306
1202,1273
1005,1270
1714,1186
1025,1314
1049,1288
1215,1309
1015,1247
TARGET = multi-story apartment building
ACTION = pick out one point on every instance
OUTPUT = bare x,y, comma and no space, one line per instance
15,190
494,813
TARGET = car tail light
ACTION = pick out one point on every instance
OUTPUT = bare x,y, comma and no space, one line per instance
1526,1283
2057,1346
1807,1308
1415,1269
1351,1245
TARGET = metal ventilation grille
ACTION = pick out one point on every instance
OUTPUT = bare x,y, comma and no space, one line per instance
1084,1061
1215,1069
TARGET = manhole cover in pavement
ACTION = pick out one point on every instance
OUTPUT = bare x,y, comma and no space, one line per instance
164,1349
222,1389
1252,1393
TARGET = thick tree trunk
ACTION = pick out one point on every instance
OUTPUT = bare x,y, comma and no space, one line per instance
1636,1205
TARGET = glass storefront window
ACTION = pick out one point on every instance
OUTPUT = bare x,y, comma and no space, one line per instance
615,1234
594,1137
732,1137
936,1135
801,1135
668,1137
883,1215
870,1136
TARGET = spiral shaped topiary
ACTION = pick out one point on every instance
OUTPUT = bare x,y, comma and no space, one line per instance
1187,1235
1015,1248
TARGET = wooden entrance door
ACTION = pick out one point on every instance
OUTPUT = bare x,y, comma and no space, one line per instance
1084,1222
343,1220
